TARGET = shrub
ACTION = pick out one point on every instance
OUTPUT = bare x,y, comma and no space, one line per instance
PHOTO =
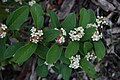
71,44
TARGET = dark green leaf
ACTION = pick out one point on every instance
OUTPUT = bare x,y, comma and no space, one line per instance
65,71
10,51
40,61
88,68
64,59
37,15
88,33
99,49
92,16
57,67
42,70
71,49
17,18
54,53
3,14
84,17
54,20
70,22
2,49
81,47
51,35
42,51
87,47
23,53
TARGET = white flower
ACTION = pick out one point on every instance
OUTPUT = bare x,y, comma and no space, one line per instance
31,3
63,32
92,25
7,10
77,34
75,62
60,39
39,32
56,29
50,65
96,36
33,29
90,56
3,33
101,21
35,35
34,40
3,27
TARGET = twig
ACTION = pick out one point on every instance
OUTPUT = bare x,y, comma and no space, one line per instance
1,78
117,56
110,15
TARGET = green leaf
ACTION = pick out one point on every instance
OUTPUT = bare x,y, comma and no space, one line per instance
88,33
64,59
2,49
71,49
23,53
10,51
84,17
17,18
40,61
42,51
87,47
65,71
54,20
70,22
50,35
54,53
99,49
37,15
88,68
42,70
81,48
3,14
57,67
92,16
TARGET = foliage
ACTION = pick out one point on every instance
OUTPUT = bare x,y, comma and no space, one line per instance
48,49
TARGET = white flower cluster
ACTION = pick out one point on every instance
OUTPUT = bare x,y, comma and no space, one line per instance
3,32
90,56
63,32
77,34
61,38
92,25
101,21
97,36
75,62
36,35
32,2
